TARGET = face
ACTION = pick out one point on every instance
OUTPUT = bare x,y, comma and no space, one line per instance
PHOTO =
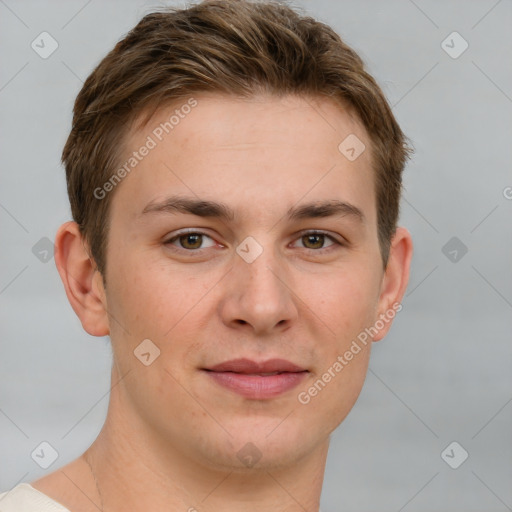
244,233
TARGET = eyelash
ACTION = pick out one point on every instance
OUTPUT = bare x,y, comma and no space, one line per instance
301,235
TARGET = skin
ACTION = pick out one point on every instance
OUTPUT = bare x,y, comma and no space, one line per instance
171,436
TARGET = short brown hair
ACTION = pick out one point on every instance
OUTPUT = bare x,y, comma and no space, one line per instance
235,47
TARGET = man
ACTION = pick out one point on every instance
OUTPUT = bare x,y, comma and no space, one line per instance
234,176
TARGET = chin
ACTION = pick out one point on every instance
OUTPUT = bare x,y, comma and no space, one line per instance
270,444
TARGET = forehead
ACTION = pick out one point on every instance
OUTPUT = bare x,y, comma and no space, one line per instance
227,121
250,151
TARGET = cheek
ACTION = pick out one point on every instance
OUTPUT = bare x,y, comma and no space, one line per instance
141,295
134,300
345,301
148,300
347,304
332,394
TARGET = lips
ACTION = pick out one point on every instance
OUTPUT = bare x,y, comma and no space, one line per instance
255,380
247,366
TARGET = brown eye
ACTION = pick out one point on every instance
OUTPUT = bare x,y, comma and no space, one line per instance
313,241
317,241
191,240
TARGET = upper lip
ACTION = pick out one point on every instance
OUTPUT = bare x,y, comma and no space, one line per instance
253,367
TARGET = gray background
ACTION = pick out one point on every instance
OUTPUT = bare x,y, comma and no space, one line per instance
441,375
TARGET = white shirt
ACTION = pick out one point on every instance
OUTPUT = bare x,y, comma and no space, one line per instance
25,498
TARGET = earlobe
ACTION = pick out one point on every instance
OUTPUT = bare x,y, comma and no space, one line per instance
394,282
82,281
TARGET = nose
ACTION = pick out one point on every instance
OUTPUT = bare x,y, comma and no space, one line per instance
258,296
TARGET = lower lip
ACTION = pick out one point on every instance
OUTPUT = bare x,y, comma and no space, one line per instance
258,387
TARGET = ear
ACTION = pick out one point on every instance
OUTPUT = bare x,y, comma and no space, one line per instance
81,279
394,281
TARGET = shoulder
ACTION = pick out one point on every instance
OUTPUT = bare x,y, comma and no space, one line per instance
25,498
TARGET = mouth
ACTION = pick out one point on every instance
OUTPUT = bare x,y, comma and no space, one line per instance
257,381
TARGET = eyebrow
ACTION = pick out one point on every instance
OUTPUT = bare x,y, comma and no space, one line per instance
206,208
326,209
